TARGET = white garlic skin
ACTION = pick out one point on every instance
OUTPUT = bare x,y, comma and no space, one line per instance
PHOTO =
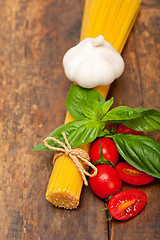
93,62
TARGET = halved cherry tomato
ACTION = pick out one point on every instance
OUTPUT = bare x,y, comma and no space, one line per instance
106,182
127,204
109,150
131,175
123,129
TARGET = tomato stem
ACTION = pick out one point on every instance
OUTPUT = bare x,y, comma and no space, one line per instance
102,160
108,215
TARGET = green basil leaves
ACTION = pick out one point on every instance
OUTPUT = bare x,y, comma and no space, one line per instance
91,113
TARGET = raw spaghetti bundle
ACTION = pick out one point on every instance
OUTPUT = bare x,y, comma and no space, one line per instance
114,20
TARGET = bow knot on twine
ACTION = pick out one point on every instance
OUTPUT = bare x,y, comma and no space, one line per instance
75,154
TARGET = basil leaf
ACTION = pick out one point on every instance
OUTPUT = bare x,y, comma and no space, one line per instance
141,152
76,95
91,109
139,110
77,132
106,106
120,114
148,121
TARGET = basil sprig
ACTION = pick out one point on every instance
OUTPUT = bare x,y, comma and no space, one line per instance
91,113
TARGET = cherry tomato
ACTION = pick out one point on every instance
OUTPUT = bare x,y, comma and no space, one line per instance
127,204
109,150
132,175
106,182
123,129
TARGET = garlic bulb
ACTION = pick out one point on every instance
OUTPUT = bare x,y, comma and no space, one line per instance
93,62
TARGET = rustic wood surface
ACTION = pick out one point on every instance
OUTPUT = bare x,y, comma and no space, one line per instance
34,35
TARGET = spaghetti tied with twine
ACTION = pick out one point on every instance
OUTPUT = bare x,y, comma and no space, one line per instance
75,154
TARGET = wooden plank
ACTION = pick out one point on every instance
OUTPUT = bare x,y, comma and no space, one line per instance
139,87
34,37
33,89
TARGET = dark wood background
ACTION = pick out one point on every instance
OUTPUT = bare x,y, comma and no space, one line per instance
34,35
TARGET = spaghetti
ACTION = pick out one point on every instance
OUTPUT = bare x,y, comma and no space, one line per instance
114,20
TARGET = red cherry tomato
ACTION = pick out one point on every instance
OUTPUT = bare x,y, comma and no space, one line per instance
109,150
132,175
127,204
123,129
106,182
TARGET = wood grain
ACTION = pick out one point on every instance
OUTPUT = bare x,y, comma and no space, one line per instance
33,89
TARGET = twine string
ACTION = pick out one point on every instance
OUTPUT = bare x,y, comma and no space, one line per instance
75,154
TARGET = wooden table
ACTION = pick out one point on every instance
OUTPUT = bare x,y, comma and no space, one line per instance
34,35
